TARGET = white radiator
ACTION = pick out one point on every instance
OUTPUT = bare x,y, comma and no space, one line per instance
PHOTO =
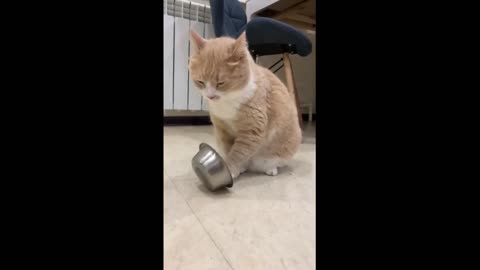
179,17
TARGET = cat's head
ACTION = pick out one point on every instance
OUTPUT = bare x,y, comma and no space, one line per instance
219,67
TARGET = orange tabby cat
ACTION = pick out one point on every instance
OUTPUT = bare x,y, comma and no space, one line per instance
254,115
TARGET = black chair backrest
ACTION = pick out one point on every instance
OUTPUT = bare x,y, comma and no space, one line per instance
228,17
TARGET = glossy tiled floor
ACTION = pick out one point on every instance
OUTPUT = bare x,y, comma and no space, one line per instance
262,223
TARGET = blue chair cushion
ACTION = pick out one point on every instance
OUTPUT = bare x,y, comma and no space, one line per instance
228,17
267,34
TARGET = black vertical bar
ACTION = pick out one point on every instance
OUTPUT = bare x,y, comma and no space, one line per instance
173,76
204,10
188,59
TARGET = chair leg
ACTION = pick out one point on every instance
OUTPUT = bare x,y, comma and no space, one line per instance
291,85
310,113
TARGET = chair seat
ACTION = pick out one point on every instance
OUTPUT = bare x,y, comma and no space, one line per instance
268,36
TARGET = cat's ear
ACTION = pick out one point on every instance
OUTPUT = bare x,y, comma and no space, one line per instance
197,41
238,49
241,40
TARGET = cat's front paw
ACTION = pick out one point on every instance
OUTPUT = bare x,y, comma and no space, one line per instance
234,173
272,172
234,170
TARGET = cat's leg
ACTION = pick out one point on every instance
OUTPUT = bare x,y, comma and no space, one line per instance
223,138
224,142
280,148
250,137
267,165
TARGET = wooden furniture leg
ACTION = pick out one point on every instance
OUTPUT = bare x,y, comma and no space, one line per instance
291,85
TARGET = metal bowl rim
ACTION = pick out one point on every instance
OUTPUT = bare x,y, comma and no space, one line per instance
202,145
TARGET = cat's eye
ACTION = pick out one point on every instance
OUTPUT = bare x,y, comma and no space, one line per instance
220,84
201,83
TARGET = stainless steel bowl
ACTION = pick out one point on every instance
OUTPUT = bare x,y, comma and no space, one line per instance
211,169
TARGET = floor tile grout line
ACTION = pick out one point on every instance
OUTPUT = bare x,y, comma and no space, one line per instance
168,176
203,227
307,141
196,217
211,238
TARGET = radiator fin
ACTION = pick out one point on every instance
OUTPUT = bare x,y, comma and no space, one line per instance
179,18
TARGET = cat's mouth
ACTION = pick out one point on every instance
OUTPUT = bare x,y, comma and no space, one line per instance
214,97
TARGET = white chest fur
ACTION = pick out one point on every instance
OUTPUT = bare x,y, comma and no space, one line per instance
227,110
227,107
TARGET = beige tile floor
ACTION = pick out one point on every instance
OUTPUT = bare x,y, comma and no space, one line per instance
262,223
